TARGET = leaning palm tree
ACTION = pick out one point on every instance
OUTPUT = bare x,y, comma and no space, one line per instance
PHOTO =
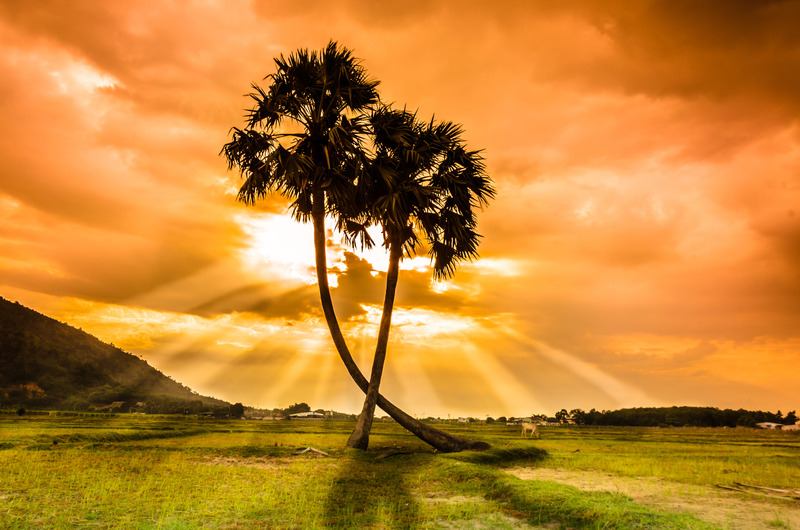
424,187
303,140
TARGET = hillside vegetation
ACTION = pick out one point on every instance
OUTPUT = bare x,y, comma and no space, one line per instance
47,364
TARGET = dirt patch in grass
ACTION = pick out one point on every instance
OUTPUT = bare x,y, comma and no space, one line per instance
451,499
497,521
257,462
727,509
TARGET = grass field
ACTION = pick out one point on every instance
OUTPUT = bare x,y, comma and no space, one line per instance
148,472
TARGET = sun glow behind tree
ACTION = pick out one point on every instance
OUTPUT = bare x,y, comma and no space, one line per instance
219,343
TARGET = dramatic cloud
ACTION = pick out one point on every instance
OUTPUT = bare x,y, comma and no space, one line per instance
643,247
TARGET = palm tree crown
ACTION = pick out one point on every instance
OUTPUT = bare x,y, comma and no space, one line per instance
423,182
305,131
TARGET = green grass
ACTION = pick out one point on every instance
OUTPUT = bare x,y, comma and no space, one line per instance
142,472
687,455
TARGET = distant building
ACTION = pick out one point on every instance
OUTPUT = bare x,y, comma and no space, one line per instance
769,425
307,416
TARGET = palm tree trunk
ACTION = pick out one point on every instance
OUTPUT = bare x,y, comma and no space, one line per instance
359,439
440,440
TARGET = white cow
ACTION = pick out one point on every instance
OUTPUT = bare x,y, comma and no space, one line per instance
532,427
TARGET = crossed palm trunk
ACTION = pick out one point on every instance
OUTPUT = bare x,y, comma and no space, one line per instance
441,441
359,439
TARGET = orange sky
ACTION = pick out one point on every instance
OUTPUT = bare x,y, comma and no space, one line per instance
644,247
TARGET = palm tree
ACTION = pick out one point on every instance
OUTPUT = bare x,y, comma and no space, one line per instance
303,140
423,185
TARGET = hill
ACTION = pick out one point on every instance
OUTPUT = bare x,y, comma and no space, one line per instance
47,364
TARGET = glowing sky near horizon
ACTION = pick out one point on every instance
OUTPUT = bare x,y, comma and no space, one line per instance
643,249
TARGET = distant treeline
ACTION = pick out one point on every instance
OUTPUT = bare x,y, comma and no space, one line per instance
285,413
677,417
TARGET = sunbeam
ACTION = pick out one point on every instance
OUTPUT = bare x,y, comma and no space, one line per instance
513,393
281,384
414,384
624,394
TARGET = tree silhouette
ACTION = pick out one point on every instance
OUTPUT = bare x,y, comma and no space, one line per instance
423,187
303,139
237,410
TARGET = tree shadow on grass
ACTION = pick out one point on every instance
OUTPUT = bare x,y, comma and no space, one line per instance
372,492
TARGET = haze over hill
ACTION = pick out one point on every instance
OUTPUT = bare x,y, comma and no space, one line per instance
46,363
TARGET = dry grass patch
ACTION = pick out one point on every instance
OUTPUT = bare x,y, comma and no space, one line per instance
727,509
262,462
